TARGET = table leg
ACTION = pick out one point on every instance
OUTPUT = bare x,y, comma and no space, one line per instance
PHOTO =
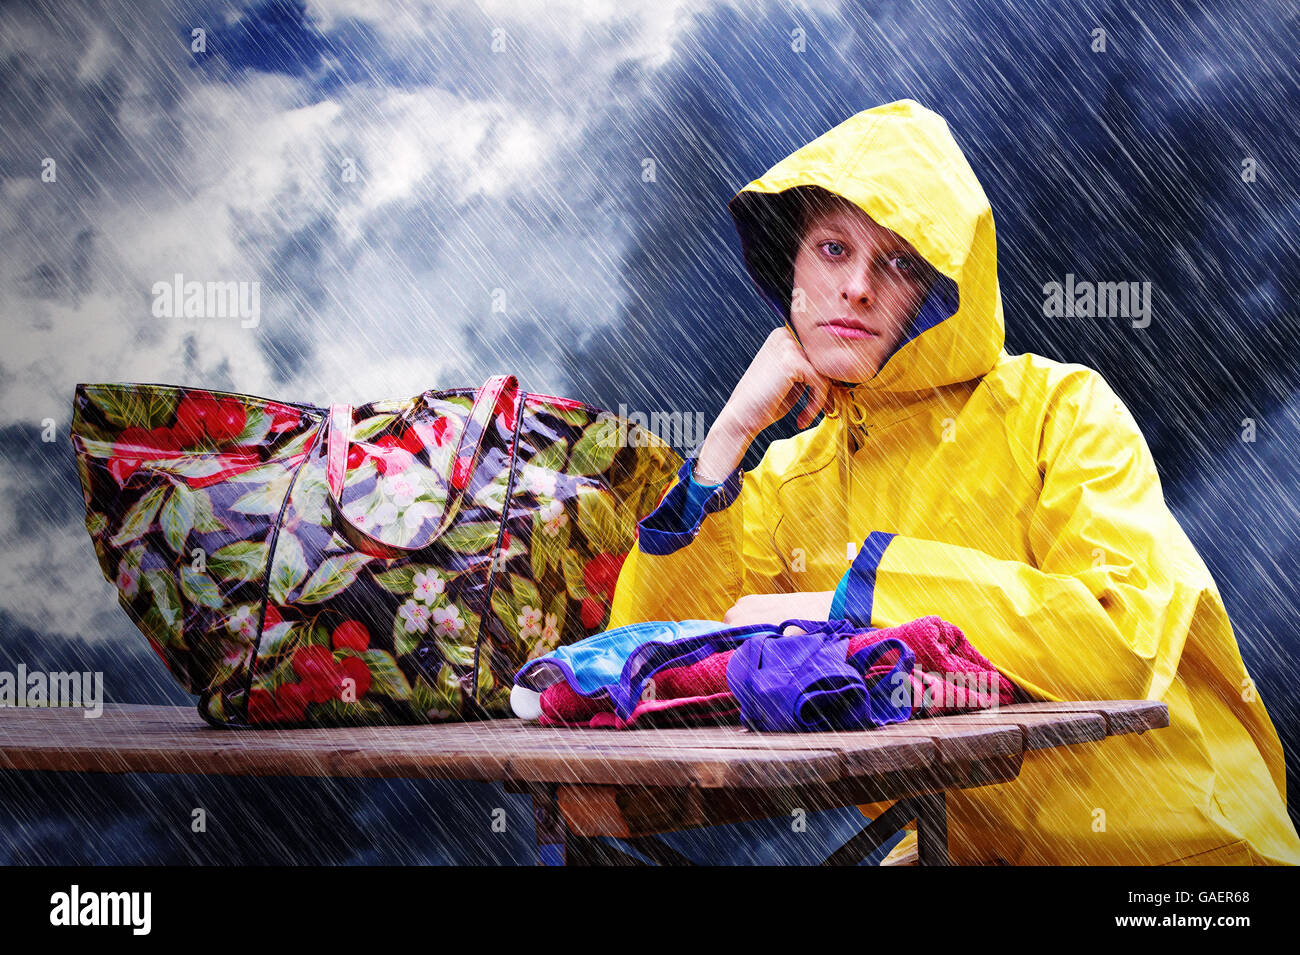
551,830
873,835
556,845
931,828
610,810
931,814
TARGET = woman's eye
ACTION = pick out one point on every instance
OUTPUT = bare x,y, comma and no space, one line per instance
838,248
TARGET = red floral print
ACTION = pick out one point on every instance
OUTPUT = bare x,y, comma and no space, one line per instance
136,445
200,418
593,613
436,434
460,471
284,418
355,669
351,634
291,698
316,667
288,704
411,441
390,457
601,574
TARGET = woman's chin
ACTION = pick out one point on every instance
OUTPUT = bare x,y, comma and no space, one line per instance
840,367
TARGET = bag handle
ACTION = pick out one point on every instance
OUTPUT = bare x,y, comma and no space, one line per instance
880,704
464,463
836,627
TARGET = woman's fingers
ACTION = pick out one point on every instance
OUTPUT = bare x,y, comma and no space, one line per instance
770,388
791,399
818,387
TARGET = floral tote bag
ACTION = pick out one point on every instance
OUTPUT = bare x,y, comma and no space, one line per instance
394,562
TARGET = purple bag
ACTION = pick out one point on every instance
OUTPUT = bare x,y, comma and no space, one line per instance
803,681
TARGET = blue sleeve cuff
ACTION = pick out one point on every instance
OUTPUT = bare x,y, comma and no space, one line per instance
675,522
696,495
859,584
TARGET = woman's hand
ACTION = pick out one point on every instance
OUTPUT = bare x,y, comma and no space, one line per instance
772,384
773,608
769,388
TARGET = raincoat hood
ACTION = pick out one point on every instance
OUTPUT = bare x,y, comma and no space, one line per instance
899,164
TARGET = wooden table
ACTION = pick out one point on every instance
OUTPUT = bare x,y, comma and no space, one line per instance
630,785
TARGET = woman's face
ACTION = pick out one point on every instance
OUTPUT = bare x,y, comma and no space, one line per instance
857,286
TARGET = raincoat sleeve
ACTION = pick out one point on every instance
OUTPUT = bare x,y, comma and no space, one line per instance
1095,613
693,561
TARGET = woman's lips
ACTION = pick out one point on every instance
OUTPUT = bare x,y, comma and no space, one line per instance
848,331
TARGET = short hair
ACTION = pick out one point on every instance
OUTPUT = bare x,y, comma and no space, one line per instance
810,202
772,228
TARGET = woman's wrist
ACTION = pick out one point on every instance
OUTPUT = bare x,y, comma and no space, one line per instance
722,451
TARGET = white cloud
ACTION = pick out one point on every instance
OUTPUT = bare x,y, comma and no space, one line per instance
386,283
649,28
51,582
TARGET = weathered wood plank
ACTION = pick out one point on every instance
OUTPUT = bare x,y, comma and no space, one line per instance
1122,716
960,744
71,743
699,767
1043,730
154,740
953,743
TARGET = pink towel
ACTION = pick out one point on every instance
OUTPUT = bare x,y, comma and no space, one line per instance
950,675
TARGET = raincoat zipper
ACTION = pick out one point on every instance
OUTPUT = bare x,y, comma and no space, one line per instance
854,430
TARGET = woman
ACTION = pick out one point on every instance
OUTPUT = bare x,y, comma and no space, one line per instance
1011,495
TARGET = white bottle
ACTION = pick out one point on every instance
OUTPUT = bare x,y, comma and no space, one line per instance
526,703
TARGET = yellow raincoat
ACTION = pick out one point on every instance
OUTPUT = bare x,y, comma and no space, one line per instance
1026,509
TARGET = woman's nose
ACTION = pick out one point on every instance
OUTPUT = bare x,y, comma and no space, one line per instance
857,289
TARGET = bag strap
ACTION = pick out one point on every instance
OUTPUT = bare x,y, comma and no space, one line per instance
838,627
464,463
881,706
